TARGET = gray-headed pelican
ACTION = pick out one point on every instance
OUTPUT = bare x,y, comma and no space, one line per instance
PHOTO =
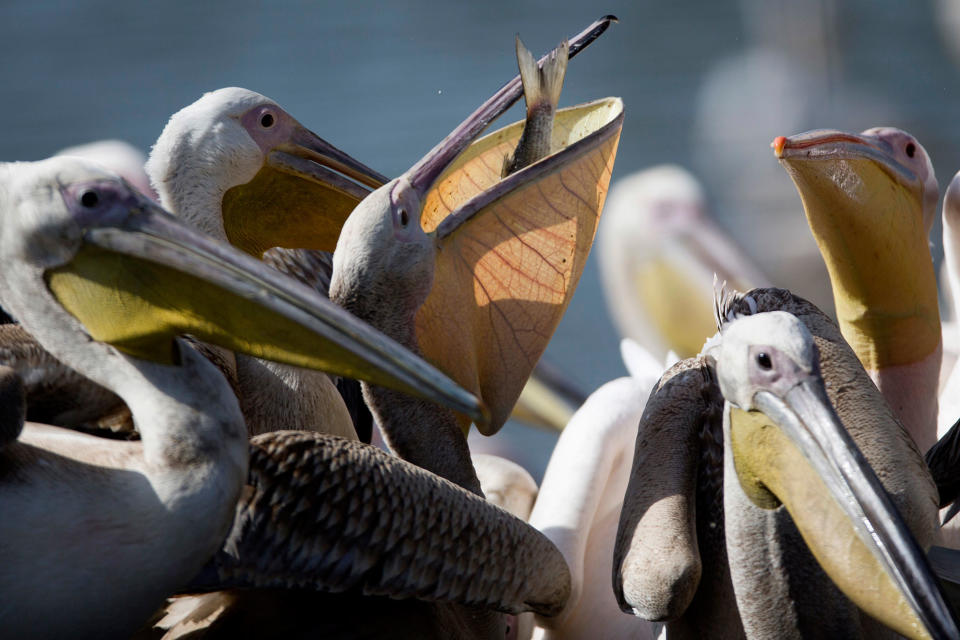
473,270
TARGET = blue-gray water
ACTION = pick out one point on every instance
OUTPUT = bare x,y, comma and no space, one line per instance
706,84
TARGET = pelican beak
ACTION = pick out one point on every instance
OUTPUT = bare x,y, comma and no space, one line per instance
140,278
858,199
826,144
795,450
311,157
299,199
423,175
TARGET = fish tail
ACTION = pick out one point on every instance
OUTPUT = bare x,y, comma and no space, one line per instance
541,87
552,74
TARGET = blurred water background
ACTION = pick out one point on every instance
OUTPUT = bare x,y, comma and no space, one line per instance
706,84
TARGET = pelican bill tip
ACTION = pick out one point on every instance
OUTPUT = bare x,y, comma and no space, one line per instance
778,144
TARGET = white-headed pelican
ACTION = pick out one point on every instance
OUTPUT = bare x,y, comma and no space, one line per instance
719,544
95,532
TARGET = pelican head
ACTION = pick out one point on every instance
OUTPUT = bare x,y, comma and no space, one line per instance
661,201
384,252
79,243
859,163
789,447
277,183
774,360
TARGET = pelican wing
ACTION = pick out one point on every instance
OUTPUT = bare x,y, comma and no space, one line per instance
335,515
312,268
511,251
657,563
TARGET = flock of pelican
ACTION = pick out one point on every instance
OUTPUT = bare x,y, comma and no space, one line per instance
187,388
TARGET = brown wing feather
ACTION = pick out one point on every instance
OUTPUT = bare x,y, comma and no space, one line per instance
511,253
335,515
312,268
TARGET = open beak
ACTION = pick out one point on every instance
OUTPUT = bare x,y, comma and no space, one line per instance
299,199
141,278
808,461
428,170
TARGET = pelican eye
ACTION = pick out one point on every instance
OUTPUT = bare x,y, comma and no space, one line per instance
911,149
266,120
89,198
404,218
763,359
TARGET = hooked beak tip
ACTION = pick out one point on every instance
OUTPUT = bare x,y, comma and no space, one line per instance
778,144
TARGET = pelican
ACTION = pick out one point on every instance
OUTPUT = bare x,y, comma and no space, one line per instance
870,201
578,505
473,270
97,533
799,404
658,252
237,166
